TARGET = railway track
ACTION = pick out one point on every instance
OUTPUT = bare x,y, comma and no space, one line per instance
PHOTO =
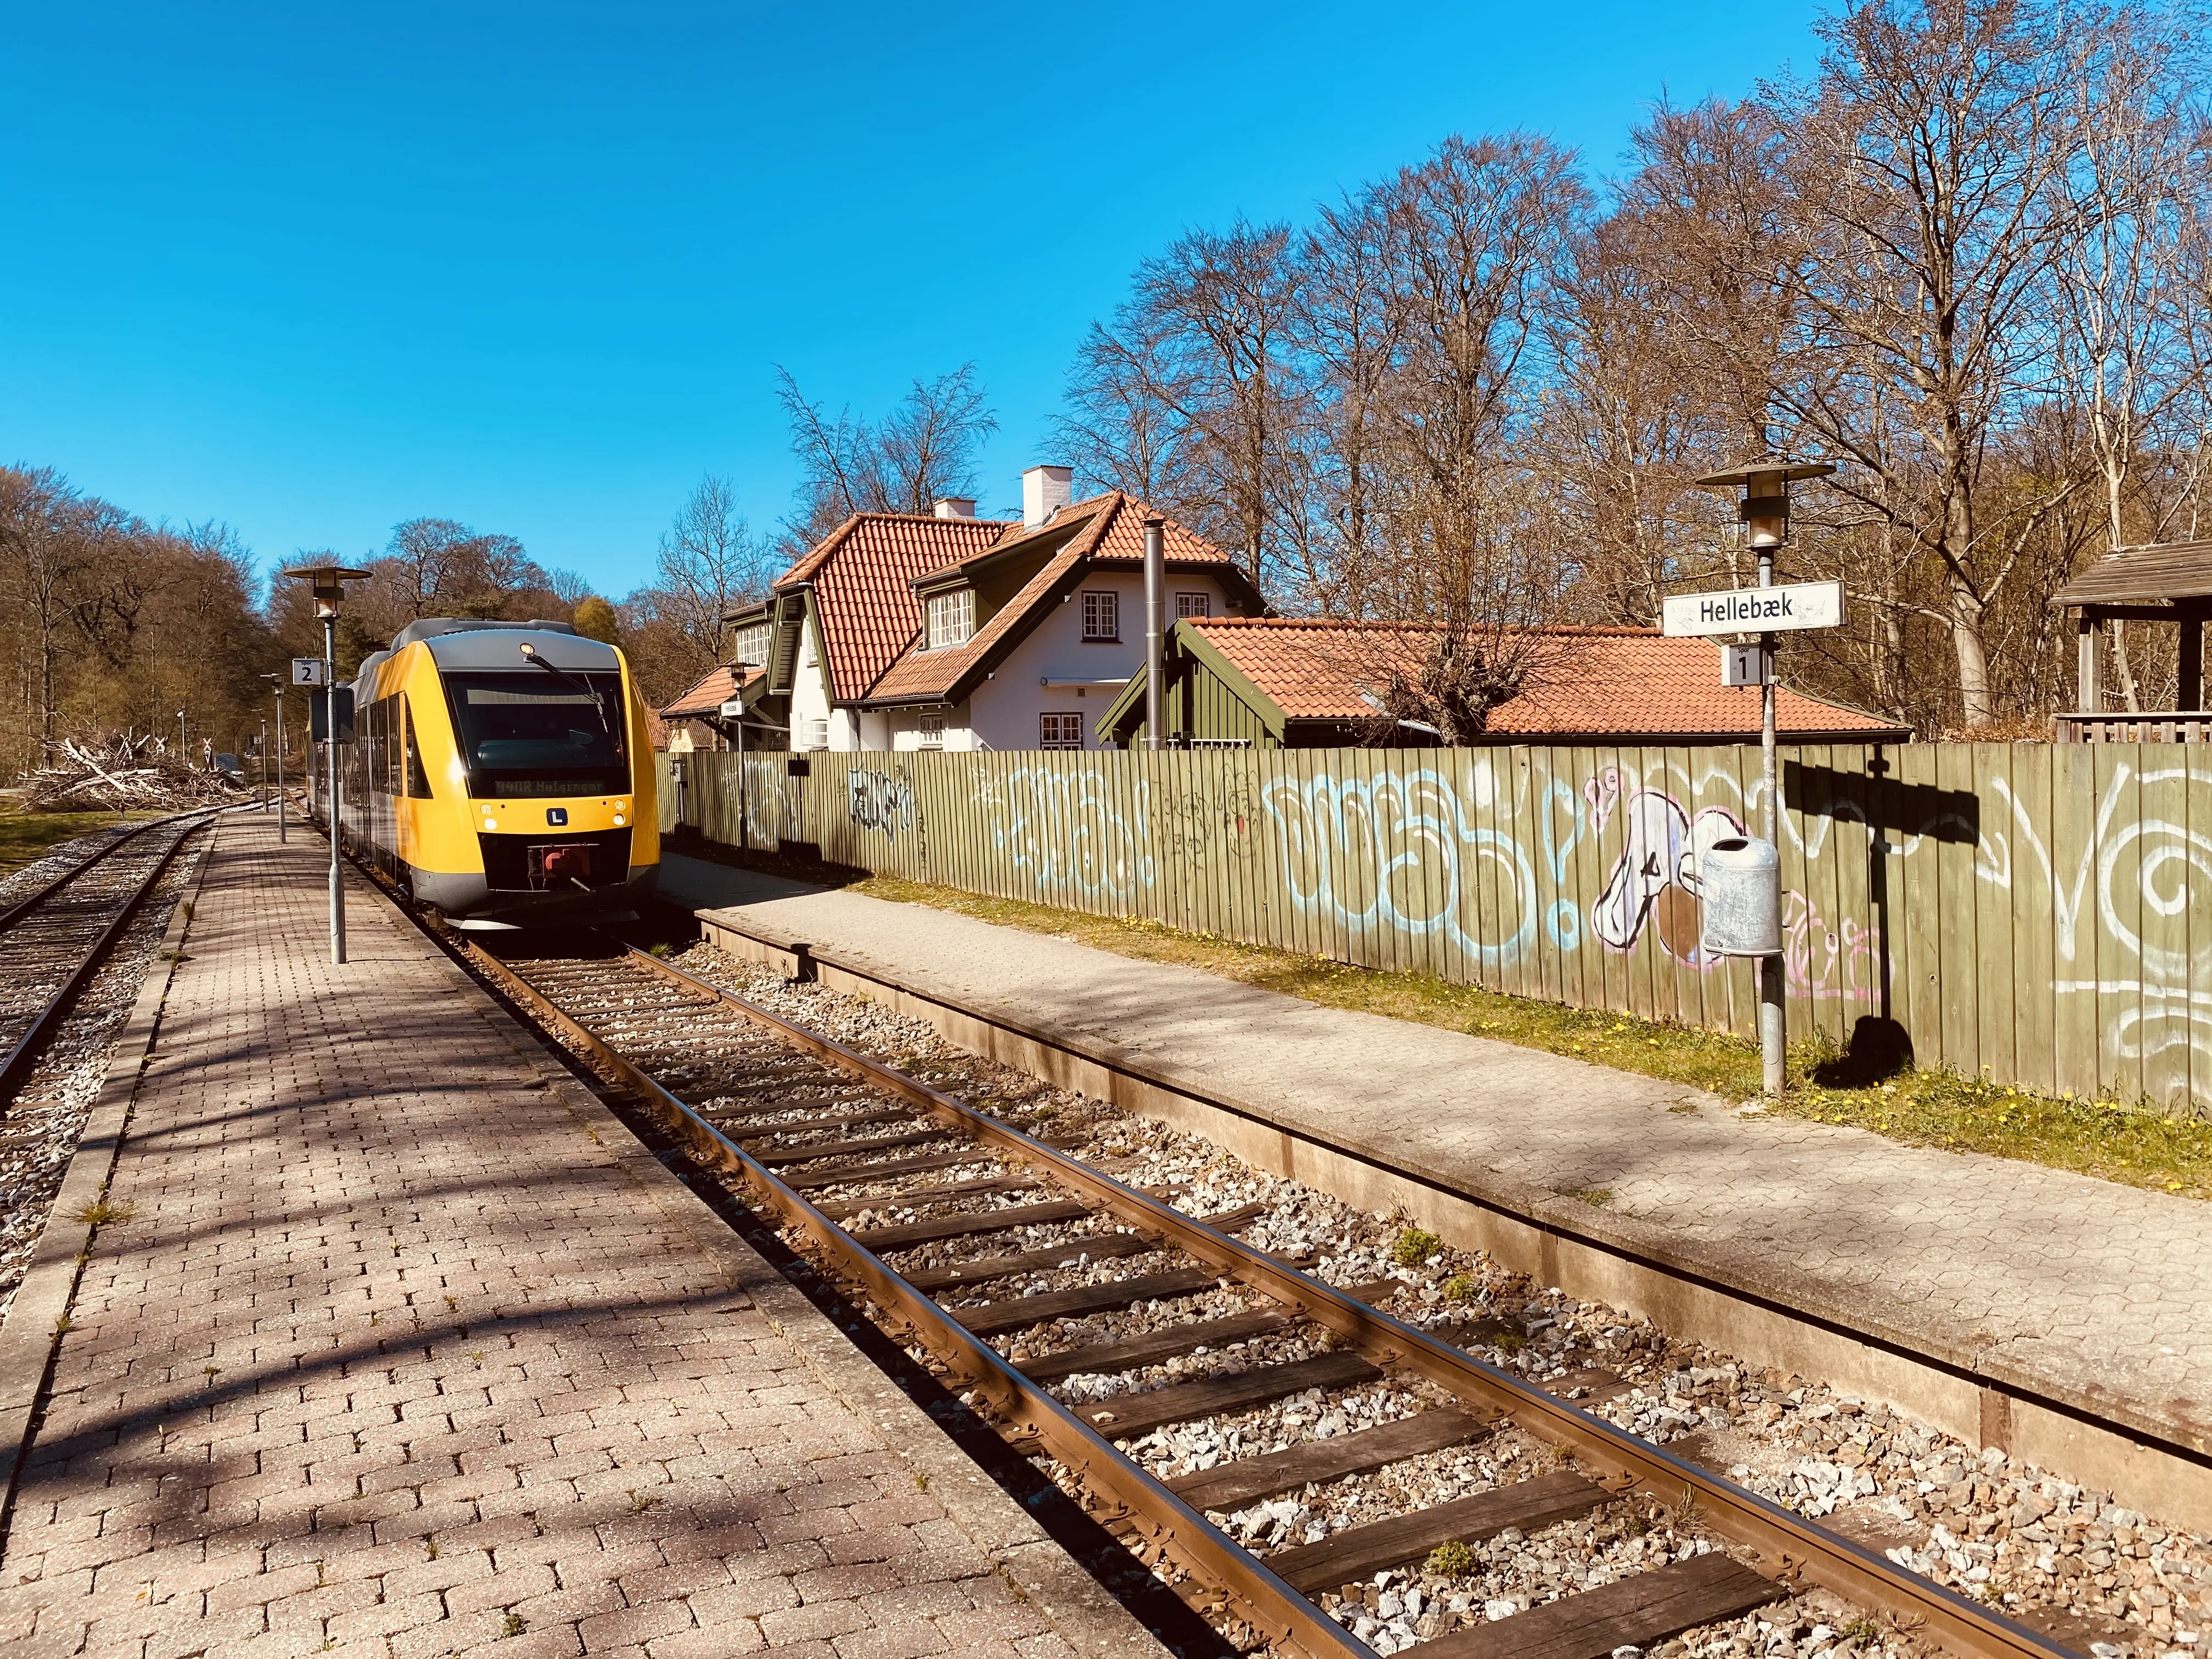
1017,1269
53,940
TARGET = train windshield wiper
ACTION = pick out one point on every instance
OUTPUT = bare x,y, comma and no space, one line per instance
530,655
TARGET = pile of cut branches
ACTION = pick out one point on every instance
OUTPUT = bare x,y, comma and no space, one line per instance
134,775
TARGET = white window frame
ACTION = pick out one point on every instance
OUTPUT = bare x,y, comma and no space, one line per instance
1047,722
951,619
929,731
1101,616
750,644
1193,604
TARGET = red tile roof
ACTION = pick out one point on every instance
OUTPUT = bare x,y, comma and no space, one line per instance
863,576
715,687
1600,682
1111,532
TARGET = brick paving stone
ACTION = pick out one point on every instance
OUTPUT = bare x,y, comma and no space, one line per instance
389,1350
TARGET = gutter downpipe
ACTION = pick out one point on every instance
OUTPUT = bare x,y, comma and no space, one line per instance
1156,622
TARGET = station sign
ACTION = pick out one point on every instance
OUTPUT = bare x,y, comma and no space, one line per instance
1747,665
1754,610
734,709
307,671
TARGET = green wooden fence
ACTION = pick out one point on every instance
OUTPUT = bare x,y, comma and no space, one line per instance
2041,911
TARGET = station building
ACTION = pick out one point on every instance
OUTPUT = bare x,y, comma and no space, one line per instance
902,631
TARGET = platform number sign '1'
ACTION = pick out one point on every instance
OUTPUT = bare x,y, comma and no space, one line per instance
307,671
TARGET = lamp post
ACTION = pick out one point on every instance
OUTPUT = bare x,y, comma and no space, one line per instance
1155,629
278,680
1764,510
330,580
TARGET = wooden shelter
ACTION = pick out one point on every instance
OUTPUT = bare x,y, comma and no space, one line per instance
2166,583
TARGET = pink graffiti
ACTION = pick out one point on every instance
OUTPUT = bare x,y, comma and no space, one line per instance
1818,961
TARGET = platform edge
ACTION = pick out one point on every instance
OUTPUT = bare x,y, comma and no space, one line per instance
33,1330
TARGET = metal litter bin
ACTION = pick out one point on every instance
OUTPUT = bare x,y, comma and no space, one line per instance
1740,880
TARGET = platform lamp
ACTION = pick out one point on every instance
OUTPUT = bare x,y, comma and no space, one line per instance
1764,510
277,681
330,580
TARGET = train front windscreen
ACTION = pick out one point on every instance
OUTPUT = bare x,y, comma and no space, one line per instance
535,733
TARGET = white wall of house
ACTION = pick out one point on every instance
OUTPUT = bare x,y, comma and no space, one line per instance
910,729
810,713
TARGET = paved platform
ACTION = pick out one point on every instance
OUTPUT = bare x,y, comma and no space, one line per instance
2077,1289
398,1344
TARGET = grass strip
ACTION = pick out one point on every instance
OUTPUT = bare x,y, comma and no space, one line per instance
1917,1107
26,837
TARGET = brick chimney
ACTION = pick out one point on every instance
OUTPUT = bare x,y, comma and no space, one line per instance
1045,490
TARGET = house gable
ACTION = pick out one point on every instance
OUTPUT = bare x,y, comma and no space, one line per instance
1103,531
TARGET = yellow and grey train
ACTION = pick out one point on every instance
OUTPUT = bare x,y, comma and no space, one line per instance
502,773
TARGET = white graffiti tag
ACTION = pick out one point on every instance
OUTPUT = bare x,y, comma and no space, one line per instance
1397,852
1659,853
1066,829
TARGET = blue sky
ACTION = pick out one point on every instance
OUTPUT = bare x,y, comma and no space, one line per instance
314,269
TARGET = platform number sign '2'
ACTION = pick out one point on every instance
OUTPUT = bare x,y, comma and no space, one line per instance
307,671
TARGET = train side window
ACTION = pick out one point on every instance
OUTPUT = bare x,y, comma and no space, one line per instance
384,736
372,750
419,780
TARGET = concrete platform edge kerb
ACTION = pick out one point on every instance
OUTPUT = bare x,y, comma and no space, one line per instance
2114,1444
33,1326
1079,1609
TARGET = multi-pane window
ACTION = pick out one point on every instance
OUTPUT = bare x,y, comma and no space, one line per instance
1060,731
1102,614
932,731
1192,605
952,617
749,645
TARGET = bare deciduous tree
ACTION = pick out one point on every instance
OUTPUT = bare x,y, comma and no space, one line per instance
925,449
1183,399
1922,181
710,563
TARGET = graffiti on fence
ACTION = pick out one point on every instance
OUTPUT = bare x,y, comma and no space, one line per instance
1653,880
1201,824
1068,830
1507,866
1399,851
878,800
2147,865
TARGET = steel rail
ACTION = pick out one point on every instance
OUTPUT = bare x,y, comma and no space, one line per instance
27,1047
1173,1529
1787,1544
22,908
